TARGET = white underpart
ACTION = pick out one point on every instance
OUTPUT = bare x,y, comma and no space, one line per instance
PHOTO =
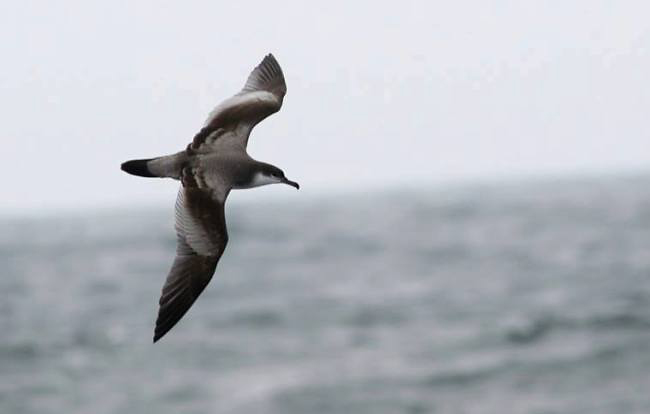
191,230
240,104
262,179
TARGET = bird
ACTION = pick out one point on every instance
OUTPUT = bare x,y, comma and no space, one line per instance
213,164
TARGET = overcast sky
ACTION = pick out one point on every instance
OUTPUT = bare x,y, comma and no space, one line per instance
379,93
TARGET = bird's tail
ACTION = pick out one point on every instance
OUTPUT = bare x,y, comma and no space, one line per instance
167,166
138,167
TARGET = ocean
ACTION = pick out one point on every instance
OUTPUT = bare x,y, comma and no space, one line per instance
527,297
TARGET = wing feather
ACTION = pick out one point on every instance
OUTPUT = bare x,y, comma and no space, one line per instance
267,76
201,239
261,96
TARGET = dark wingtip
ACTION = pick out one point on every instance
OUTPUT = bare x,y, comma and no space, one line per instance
137,167
159,333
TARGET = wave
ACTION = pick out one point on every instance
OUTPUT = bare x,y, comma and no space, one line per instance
537,329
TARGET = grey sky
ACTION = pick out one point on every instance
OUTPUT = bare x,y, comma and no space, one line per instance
378,92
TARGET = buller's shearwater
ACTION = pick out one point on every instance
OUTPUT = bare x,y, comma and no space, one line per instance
213,164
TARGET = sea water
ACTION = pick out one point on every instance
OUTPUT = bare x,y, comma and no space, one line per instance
523,298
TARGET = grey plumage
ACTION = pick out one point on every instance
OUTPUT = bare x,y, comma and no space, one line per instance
213,164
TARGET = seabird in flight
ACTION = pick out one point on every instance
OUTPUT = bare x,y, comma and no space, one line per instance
214,163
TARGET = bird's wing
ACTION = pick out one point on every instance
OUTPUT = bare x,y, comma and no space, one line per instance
261,96
202,237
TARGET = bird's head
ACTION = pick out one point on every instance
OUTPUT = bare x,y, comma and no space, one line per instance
270,174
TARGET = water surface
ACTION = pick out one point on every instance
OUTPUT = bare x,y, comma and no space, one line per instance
529,298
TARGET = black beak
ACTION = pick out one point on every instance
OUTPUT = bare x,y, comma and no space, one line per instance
291,183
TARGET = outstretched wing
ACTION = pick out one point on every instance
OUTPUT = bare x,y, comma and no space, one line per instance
202,237
261,96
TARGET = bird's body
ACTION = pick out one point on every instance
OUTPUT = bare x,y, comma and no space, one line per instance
214,163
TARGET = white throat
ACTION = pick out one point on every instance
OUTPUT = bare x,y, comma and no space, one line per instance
260,179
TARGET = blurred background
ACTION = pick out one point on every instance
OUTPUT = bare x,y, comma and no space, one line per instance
471,235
